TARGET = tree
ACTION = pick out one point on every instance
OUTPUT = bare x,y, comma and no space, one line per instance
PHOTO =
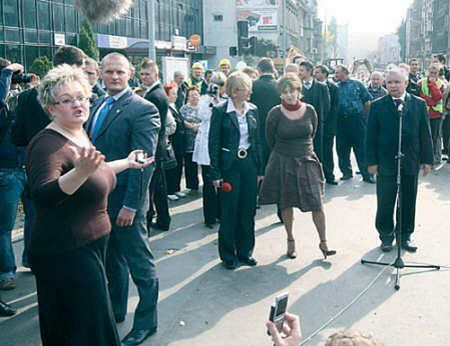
40,66
265,47
88,43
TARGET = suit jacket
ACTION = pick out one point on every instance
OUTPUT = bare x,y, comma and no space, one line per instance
30,118
132,123
265,96
224,136
382,136
318,96
331,123
157,95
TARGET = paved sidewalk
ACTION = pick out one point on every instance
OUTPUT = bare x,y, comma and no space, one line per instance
203,304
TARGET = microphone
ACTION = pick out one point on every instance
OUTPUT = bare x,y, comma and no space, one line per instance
103,10
226,187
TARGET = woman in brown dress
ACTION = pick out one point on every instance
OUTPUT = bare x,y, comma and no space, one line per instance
70,183
294,176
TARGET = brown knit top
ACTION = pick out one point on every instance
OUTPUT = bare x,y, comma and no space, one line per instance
64,222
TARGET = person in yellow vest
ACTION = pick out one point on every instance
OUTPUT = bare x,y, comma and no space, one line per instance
196,78
225,66
432,91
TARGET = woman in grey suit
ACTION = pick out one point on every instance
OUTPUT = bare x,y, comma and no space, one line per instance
235,155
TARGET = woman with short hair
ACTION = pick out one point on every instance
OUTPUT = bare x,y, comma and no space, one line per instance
189,112
235,154
294,175
70,183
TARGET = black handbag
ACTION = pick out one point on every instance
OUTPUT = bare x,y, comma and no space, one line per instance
169,161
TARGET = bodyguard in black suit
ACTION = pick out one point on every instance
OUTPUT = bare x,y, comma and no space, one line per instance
316,94
235,154
265,96
381,151
330,126
119,123
158,186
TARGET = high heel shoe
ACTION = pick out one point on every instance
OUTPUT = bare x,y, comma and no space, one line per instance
291,253
325,250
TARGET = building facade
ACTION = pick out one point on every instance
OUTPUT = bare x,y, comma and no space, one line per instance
32,28
388,51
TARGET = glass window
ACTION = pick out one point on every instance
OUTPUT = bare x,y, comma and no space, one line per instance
31,36
1,22
13,53
71,21
58,17
45,37
29,13
45,51
12,35
2,50
31,53
44,15
11,11
128,27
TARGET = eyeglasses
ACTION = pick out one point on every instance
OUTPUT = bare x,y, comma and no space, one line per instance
71,101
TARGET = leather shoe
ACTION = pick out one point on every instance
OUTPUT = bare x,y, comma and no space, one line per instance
370,180
386,246
332,182
230,265
409,245
159,227
250,261
137,336
347,177
6,310
119,319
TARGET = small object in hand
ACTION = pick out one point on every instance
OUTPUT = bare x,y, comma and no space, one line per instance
140,158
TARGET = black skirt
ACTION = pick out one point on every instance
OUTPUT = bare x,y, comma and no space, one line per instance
74,303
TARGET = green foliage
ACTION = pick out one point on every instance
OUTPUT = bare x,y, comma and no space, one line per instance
265,47
88,43
40,66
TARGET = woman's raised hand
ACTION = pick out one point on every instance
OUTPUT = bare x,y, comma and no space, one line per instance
87,160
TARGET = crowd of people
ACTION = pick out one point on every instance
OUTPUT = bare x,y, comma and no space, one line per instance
96,157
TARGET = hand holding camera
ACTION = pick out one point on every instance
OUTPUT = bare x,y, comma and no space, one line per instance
16,68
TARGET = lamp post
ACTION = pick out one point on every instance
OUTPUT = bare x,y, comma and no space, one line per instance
151,29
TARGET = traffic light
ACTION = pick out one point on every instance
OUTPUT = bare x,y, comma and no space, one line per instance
243,40
253,44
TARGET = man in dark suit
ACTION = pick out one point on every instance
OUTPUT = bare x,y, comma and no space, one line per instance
120,122
316,94
381,153
156,94
329,131
265,96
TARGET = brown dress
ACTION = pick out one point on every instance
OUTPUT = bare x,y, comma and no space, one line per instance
293,176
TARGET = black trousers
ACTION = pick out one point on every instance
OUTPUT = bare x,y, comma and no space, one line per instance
238,210
328,157
351,131
211,201
446,134
74,303
191,172
435,126
173,176
386,198
129,253
158,198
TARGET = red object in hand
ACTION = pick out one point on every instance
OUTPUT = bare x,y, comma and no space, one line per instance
226,187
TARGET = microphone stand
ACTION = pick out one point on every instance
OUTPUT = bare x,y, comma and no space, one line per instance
399,263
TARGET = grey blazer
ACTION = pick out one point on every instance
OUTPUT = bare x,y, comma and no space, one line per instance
132,123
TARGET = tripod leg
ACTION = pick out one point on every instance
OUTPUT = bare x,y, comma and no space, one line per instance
397,279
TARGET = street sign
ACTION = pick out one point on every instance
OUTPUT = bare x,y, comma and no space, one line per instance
195,40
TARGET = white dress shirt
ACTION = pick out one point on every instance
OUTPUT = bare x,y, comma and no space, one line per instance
244,141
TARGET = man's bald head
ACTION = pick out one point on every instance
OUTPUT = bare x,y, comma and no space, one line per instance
115,57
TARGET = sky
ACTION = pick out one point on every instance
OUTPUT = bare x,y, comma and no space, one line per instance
368,20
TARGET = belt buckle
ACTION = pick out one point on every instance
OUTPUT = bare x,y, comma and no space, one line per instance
242,153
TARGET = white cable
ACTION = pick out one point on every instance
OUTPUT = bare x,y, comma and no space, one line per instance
348,306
